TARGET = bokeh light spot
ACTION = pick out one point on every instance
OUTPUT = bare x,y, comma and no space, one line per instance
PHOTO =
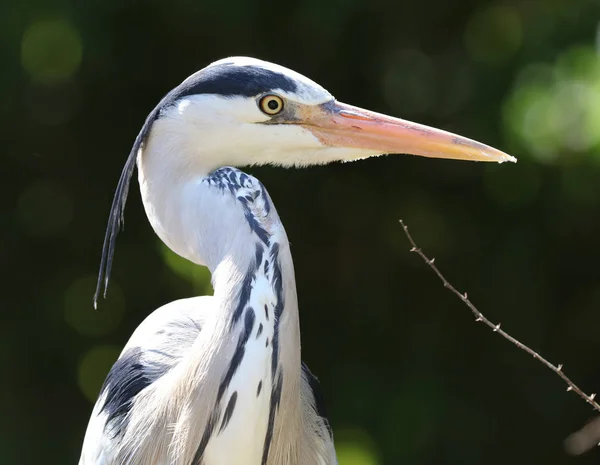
51,50
355,447
494,34
198,276
94,367
81,316
554,110
44,209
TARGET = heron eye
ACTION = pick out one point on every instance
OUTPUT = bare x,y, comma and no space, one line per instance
271,104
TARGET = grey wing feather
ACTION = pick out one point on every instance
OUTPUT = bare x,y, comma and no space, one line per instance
156,346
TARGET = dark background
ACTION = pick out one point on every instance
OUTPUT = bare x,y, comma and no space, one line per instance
409,377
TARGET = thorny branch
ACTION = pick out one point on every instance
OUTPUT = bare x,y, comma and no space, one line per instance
578,442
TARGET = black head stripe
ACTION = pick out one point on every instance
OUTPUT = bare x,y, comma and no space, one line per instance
228,80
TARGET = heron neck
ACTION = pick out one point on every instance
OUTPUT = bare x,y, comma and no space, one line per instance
225,220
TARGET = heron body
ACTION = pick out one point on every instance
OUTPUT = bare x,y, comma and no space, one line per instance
218,380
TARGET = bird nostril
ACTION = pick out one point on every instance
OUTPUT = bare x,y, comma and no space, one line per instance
352,115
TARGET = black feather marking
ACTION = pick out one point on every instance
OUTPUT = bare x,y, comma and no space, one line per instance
279,305
275,399
275,350
255,225
246,289
258,256
266,197
267,343
248,323
228,411
277,280
238,355
313,383
244,295
259,332
267,312
125,380
232,178
259,388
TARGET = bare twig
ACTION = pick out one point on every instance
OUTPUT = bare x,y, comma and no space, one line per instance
558,369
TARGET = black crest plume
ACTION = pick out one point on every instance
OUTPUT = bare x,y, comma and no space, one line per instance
116,218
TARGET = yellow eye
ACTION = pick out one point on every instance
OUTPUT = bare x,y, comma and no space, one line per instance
271,104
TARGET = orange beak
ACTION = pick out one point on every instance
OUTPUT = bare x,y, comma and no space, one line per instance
340,125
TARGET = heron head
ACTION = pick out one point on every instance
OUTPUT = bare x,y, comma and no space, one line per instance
243,111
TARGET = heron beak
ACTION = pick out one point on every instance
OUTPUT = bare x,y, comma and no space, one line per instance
337,124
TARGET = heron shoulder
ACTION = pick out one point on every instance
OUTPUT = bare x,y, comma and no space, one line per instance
169,320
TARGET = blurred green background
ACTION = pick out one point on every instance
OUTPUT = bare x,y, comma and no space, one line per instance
408,376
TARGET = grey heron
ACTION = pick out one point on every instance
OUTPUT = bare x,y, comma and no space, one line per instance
218,380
